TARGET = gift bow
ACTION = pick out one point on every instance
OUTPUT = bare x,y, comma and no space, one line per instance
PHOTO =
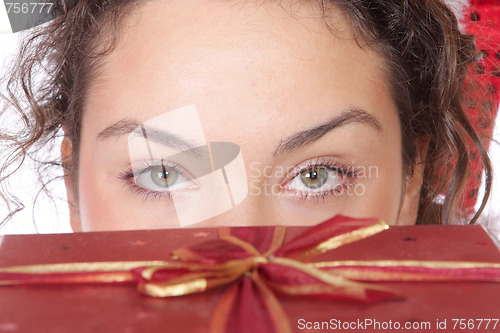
257,265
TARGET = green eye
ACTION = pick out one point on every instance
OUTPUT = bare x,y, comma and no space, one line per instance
164,176
314,178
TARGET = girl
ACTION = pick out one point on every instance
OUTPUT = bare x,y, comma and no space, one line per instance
208,113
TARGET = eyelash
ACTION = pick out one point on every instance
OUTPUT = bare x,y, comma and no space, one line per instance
131,173
330,164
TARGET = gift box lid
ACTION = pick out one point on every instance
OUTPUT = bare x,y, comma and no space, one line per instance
120,308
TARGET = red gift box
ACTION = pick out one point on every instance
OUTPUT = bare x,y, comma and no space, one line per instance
445,306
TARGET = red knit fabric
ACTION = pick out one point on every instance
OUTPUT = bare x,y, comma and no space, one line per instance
482,19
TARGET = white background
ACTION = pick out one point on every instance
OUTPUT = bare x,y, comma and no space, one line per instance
50,220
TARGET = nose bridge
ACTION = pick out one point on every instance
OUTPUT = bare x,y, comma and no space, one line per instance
249,183
254,210
232,191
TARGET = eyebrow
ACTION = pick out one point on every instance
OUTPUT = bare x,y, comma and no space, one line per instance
291,143
128,126
302,138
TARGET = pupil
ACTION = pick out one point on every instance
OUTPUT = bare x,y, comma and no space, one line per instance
314,178
164,176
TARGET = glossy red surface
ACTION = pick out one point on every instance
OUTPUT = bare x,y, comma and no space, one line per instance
121,309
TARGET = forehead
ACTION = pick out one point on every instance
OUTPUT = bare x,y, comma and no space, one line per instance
224,55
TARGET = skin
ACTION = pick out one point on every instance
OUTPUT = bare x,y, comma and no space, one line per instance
257,74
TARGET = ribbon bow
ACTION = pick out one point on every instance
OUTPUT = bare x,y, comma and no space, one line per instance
258,274
255,265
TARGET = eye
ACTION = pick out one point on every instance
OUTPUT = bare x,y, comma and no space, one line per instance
158,179
321,177
316,180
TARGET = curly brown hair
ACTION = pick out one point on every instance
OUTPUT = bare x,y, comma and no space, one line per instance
426,53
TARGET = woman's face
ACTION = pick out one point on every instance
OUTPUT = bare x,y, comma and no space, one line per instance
310,110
